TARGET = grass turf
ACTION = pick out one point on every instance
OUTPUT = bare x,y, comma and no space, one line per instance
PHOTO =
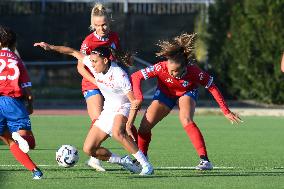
248,156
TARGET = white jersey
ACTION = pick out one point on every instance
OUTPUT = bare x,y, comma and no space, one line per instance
114,85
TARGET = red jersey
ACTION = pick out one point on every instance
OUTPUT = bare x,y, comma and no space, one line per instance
174,87
93,41
13,74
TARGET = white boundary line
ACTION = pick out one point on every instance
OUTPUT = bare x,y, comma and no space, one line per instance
159,168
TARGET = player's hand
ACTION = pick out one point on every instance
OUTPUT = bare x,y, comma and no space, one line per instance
129,131
43,45
233,118
30,108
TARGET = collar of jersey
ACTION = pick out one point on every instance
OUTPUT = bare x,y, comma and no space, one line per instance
5,49
99,37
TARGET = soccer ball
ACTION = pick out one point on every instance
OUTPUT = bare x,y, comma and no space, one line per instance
67,156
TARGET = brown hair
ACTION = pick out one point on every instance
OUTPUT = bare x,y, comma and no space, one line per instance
99,10
180,48
8,37
123,57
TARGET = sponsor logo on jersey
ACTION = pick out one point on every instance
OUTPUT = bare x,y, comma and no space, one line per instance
158,68
169,80
201,76
150,69
113,45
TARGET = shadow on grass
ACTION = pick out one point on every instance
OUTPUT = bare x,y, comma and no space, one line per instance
212,174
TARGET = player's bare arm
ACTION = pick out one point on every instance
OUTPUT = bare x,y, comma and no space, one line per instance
84,73
61,49
135,105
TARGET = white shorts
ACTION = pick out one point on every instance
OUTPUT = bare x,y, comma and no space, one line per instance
106,118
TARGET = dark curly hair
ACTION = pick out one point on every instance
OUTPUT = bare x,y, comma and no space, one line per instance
8,37
180,48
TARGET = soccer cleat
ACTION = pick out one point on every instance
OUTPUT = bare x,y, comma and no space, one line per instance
37,174
95,163
23,144
126,163
147,170
204,165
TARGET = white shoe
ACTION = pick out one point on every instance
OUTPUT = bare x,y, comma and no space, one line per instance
23,144
95,163
126,163
204,165
147,170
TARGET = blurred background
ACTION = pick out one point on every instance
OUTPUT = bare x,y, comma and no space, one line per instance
240,43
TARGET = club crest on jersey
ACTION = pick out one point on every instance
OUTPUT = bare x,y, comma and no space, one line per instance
201,76
185,83
113,46
150,69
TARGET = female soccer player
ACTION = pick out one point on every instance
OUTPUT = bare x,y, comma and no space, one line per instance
178,79
15,89
119,103
101,36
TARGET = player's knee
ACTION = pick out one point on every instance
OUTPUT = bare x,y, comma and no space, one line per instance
31,141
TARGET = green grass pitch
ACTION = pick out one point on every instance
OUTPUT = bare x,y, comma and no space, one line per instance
250,155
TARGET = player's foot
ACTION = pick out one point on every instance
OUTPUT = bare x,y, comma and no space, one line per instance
147,170
23,144
126,163
37,174
204,165
95,163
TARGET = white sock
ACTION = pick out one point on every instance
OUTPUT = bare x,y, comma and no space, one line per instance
141,158
114,158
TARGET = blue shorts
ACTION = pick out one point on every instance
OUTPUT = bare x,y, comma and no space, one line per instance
171,102
13,115
92,92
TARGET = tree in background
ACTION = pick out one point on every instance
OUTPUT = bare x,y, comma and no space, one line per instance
245,48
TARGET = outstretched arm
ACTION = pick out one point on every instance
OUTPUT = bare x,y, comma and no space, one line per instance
231,116
84,73
61,49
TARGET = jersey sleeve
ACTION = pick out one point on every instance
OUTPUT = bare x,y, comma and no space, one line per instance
201,77
144,74
85,49
24,79
219,98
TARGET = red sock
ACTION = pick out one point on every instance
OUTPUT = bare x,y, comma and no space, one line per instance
21,157
196,138
135,133
31,140
144,140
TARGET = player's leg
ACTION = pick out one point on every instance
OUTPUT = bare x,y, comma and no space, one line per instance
186,106
28,136
92,145
119,134
94,101
14,116
20,156
158,109
18,123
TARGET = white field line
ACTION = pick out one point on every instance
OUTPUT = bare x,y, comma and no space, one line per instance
159,168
